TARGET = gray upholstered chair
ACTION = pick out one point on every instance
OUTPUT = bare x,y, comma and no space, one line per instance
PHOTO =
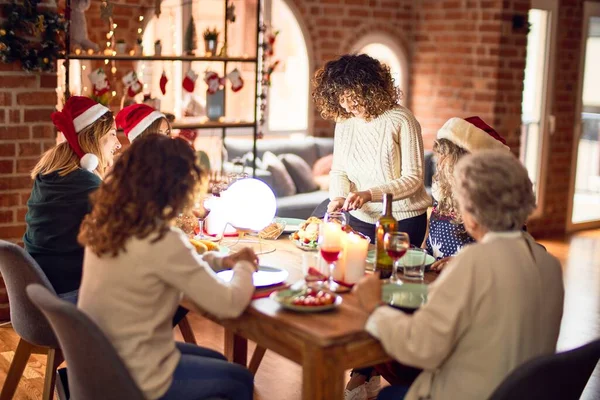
96,372
36,336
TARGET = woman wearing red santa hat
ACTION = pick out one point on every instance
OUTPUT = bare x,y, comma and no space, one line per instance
138,120
63,179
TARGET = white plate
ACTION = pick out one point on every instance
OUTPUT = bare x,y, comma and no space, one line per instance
283,297
265,276
291,224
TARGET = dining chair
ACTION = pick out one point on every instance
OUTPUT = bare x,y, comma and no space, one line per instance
87,351
36,336
552,377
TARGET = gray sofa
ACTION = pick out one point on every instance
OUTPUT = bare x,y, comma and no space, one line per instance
310,149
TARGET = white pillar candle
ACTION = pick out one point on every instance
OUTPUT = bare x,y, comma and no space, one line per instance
354,254
339,272
331,236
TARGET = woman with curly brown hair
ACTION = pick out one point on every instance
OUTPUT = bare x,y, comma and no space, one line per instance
138,265
458,137
378,146
63,180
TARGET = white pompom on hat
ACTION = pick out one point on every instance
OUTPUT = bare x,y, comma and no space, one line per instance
134,119
78,113
472,134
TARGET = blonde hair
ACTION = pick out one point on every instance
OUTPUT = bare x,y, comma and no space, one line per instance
62,159
448,154
154,127
495,188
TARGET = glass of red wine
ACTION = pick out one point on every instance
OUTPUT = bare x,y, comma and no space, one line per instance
396,244
201,210
330,246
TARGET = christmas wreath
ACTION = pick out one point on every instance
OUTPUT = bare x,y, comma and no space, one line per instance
33,37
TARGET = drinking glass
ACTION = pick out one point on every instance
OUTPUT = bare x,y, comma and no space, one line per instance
396,245
414,264
202,209
330,245
337,217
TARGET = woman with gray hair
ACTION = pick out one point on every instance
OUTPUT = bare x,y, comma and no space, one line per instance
497,304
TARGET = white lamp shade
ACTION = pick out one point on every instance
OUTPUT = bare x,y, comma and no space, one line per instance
249,204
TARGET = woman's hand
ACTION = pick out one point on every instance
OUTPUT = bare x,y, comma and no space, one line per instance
335,204
246,254
439,265
356,200
368,291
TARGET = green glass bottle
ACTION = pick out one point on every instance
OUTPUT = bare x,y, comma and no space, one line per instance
386,223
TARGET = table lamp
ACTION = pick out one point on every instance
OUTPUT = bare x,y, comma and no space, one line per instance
249,205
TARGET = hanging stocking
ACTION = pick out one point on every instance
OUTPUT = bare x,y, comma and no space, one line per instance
163,83
189,82
132,84
100,86
213,81
237,82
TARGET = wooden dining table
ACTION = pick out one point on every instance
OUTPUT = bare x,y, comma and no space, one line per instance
325,344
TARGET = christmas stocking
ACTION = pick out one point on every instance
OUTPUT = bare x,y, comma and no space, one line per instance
132,83
213,81
189,82
237,83
100,84
163,83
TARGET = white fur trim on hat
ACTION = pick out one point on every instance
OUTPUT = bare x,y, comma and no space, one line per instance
143,124
466,135
89,161
89,116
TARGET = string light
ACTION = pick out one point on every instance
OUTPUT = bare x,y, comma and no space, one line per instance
114,93
83,67
113,70
106,62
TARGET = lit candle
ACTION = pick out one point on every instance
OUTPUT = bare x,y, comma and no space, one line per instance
331,236
352,262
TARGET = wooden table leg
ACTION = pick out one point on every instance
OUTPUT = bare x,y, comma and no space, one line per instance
322,379
236,348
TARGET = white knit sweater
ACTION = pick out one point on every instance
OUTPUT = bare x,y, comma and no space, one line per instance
384,155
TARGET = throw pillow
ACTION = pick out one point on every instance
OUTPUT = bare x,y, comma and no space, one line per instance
323,165
323,182
300,172
283,184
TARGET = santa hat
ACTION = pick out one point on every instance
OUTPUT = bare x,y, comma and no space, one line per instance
78,113
472,134
134,119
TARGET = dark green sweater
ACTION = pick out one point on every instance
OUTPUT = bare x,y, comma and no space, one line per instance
56,208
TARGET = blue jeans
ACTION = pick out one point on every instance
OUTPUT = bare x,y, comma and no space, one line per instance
393,393
71,297
203,373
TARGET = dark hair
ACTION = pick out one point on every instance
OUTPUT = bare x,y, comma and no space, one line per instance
367,81
153,181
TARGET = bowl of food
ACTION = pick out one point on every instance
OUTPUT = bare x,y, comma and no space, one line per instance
306,300
307,236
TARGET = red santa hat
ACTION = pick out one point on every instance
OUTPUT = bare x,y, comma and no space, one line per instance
78,113
134,119
472,134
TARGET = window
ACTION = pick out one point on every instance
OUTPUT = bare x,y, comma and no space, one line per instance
384,49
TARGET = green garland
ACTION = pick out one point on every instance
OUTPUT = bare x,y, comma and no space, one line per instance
35,38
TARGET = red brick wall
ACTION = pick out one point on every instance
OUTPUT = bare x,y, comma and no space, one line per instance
568,58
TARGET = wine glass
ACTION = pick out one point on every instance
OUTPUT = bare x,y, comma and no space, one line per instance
337,217
396,244
201,210
330,245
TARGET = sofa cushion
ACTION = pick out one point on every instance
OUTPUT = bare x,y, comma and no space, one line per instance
309,148
300,205
323,165
300,172
283,184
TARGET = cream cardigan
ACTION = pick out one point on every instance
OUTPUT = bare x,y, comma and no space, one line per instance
496,305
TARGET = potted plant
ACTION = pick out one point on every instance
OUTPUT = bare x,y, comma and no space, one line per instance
139,49
211,36
157,48
121,46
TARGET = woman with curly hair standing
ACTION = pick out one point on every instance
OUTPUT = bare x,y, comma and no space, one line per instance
137,266
378,147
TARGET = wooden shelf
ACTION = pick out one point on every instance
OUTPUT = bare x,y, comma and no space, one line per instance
125,57
211,125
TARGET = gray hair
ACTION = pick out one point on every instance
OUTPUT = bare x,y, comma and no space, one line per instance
495,188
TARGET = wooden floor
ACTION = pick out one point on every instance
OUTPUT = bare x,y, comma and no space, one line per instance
579,255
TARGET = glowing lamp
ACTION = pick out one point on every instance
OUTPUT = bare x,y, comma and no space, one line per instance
247,205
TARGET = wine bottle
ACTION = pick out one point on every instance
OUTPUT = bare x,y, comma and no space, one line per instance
385,224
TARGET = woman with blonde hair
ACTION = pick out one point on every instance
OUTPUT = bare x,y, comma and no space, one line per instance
498,304
138,120
138,265
63,180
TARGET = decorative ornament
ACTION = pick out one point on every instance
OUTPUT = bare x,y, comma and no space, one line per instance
237,82
157,9
78,26
106,11
20,20
268,72
132,84
211,39
101,90
191,41
163,83
213,81
230,13
189,82
269,45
